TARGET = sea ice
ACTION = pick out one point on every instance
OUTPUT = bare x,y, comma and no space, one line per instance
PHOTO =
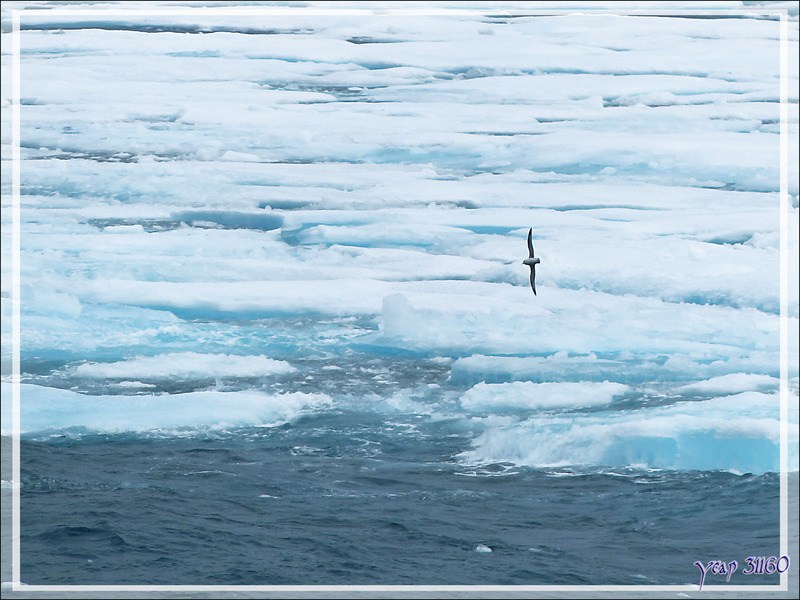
184,365
521,396
292,196
49,409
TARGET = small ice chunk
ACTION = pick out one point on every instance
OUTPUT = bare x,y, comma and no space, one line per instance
732,383
186,365
525,395
233,156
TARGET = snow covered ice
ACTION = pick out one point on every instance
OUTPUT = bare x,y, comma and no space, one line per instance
181,196
234,221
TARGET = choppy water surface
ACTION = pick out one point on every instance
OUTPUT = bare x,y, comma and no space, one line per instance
348,498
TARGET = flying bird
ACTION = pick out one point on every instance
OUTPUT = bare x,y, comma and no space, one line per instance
531,261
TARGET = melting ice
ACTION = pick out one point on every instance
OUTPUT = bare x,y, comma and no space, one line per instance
237,221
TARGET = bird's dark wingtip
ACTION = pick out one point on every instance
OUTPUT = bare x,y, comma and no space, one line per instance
530,243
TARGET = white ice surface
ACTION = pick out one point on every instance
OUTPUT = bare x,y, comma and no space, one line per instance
731,383
45,408
521,396
185,364
738,433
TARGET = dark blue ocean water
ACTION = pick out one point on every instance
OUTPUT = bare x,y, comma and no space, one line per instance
353,498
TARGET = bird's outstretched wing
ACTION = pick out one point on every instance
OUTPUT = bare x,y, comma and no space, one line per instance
530,243
533,279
